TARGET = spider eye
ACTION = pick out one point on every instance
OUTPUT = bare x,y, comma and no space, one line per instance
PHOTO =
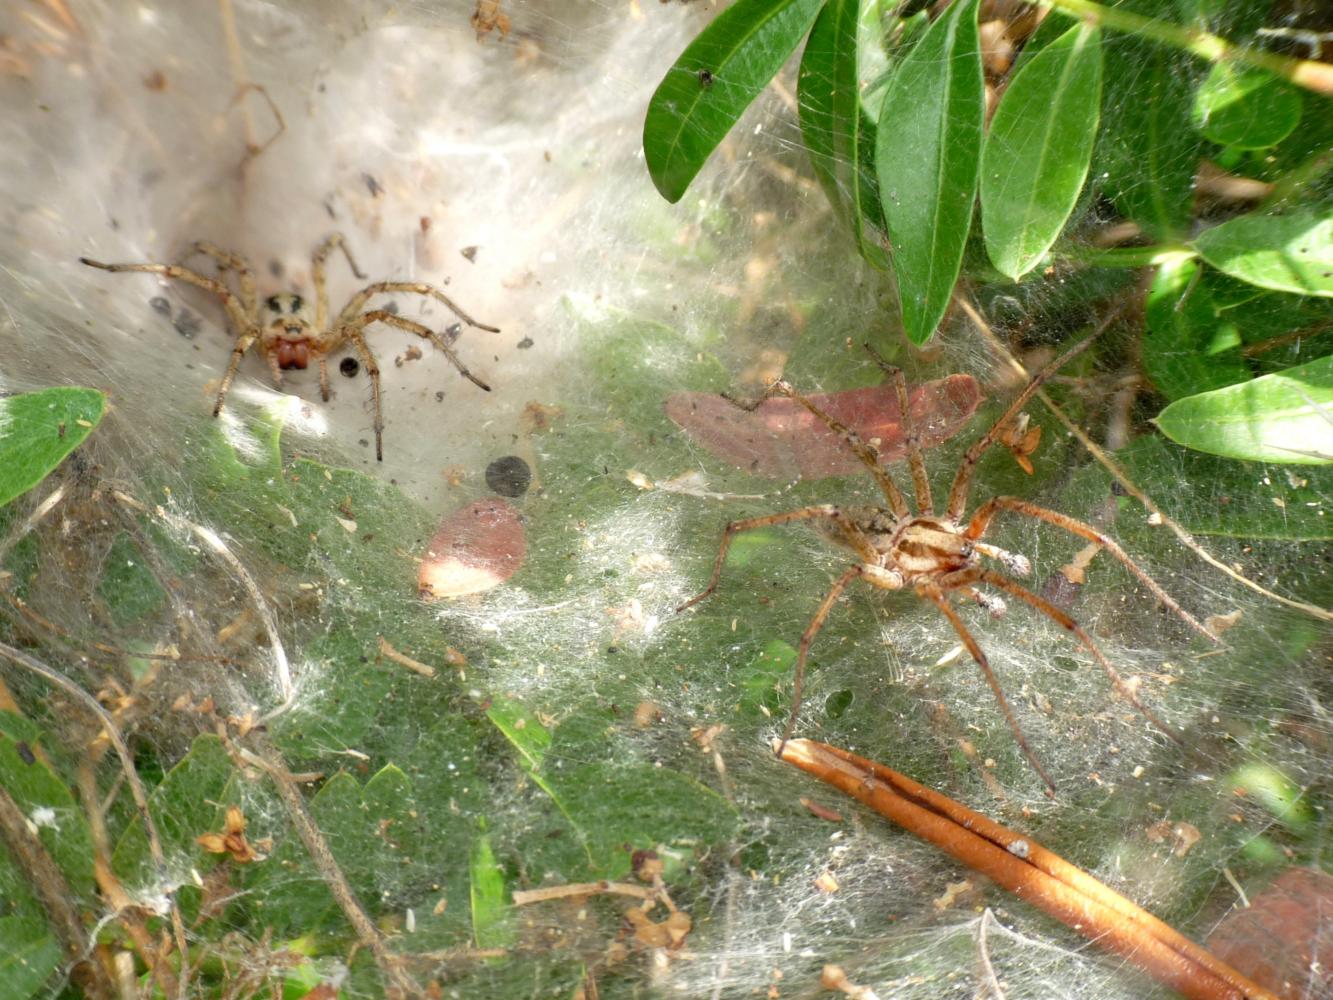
297,304
272,304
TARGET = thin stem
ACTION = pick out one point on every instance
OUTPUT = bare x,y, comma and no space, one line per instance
1306,73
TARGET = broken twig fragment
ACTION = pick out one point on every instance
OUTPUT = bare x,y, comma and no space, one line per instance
1031,872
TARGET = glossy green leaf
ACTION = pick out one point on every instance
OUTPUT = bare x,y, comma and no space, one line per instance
927,156
714,81
490,908
1245,106
1147,152
1037,154
1284,417
838,134
1287,253
1188,347
29,954
38,429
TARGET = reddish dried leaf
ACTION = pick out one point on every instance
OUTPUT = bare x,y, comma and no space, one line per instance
476,548
782,440
1282,939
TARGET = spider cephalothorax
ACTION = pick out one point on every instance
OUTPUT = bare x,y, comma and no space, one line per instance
939,555
286,334
291,331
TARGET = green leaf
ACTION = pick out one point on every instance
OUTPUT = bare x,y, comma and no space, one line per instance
531,739
50,805
1037,154
1188,347
38,429
1284,417
838,134
1288,253
28,956
714,81
186,803
927,156
1245,107
490,909
1147,152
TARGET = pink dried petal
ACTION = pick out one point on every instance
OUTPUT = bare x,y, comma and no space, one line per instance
477,547
1282,939
783,440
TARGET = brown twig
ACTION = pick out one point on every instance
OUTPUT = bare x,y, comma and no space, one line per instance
397,982
403,660
113,733
1123,479
1031,872
522,897
129,915
57,898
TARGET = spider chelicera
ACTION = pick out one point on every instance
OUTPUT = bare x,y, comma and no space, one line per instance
289,335
938,555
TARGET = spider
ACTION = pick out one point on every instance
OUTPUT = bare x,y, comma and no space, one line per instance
938,555
289,336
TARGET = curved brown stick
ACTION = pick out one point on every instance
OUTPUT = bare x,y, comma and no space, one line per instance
933,594
1031,872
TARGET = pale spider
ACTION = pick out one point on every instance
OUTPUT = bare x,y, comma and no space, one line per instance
939,555
289,335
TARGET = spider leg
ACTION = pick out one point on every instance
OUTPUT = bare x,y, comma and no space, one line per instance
324,377
1060,618
243,344
229,261
245,327
425,332
358,339
911,436
982,518
855,537
803,649
935,595
317,266
962,482
235,310
855,444
995,606
358,301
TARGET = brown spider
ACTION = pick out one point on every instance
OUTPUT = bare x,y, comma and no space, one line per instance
937,555
289,336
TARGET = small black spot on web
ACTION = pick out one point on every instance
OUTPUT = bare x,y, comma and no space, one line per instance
349,367
187,324
509,476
